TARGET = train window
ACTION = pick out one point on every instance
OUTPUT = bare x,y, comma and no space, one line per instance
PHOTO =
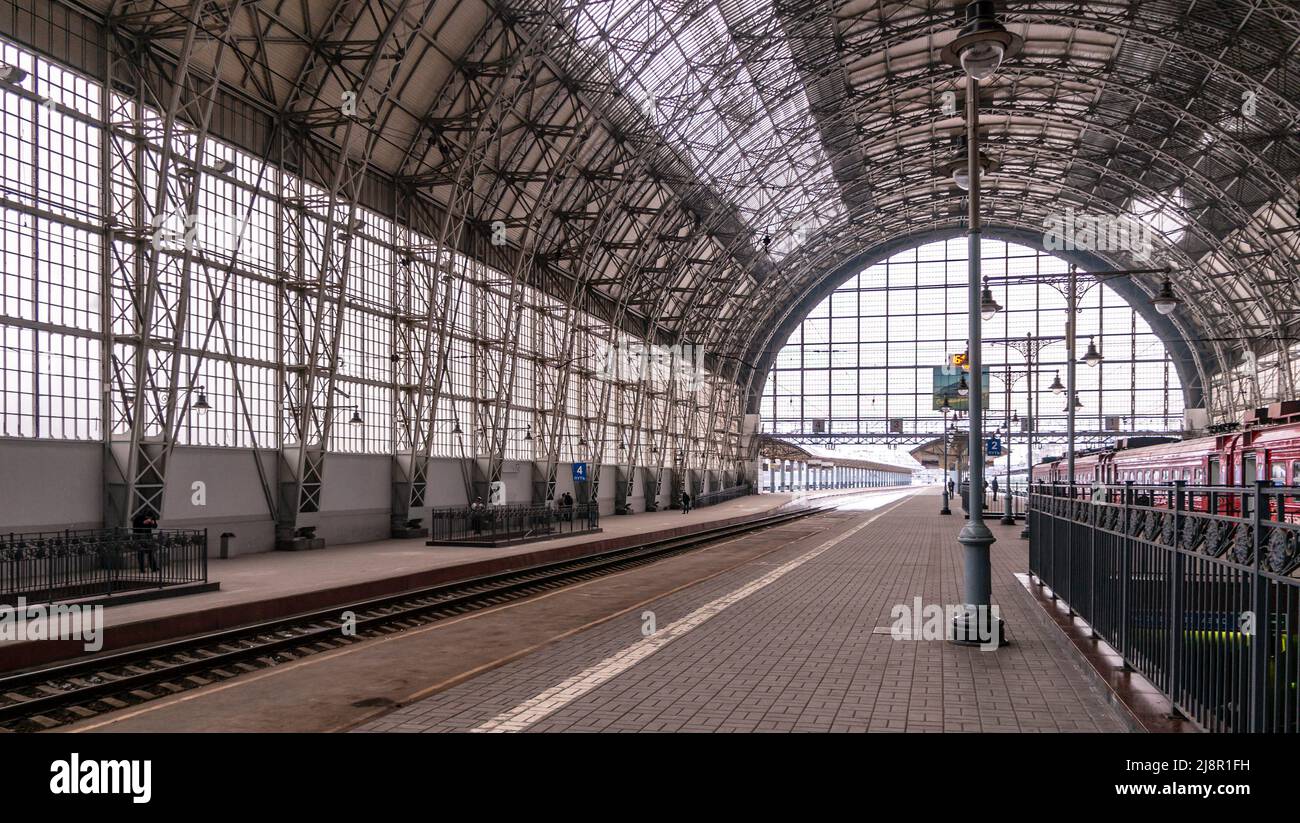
1278,475
1295,472
1200,476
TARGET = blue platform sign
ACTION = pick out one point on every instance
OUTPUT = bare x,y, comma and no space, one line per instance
579,472
995,446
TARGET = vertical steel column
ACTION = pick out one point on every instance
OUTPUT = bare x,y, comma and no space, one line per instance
1125,551
1177,563
947,469
166,183
1071,309
1030,422
1259,607
320,304
1008,515
975,537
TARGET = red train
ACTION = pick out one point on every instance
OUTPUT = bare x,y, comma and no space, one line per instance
1266,446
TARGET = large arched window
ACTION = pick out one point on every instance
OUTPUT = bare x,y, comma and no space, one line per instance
861,366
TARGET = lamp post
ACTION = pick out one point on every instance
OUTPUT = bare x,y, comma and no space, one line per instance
1071,290
946,409
978,50
1029,346
1008,514
1071,312
1008,510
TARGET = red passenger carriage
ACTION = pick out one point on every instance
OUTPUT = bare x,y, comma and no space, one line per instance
1266,446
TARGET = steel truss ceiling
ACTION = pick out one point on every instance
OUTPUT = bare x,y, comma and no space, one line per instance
690,170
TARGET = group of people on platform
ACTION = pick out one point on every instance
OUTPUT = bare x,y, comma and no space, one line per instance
992,486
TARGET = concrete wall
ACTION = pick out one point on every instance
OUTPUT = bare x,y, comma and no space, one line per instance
48,485
229,499
608,485
54,485
518,477
445,484
357,499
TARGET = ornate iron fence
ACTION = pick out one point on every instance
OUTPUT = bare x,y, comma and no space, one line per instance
1019,501
1195,587
493,524
50,566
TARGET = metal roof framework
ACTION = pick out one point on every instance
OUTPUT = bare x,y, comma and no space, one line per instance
696,170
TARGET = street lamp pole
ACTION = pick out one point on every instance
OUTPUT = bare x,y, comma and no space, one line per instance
975,536
978,49
1030,422
946,434
1008,514
1071,310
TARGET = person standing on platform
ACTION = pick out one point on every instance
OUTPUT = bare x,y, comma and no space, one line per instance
476,511
143,524
686,502
995,490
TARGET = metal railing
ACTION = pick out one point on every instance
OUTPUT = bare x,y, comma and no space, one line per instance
1019,502
1194,586
722,495
51,566
502,523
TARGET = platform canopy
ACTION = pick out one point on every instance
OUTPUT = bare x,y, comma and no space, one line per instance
777,448
699,171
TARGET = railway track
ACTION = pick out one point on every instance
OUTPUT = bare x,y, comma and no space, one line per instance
52,696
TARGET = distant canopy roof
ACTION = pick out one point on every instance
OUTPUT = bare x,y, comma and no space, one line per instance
776,448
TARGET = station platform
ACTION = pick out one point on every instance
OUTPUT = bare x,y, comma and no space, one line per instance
786,629
800,642
270,585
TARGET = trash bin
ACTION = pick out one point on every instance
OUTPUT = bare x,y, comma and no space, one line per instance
226,538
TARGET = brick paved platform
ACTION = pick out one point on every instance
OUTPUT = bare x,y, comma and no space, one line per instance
791,643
